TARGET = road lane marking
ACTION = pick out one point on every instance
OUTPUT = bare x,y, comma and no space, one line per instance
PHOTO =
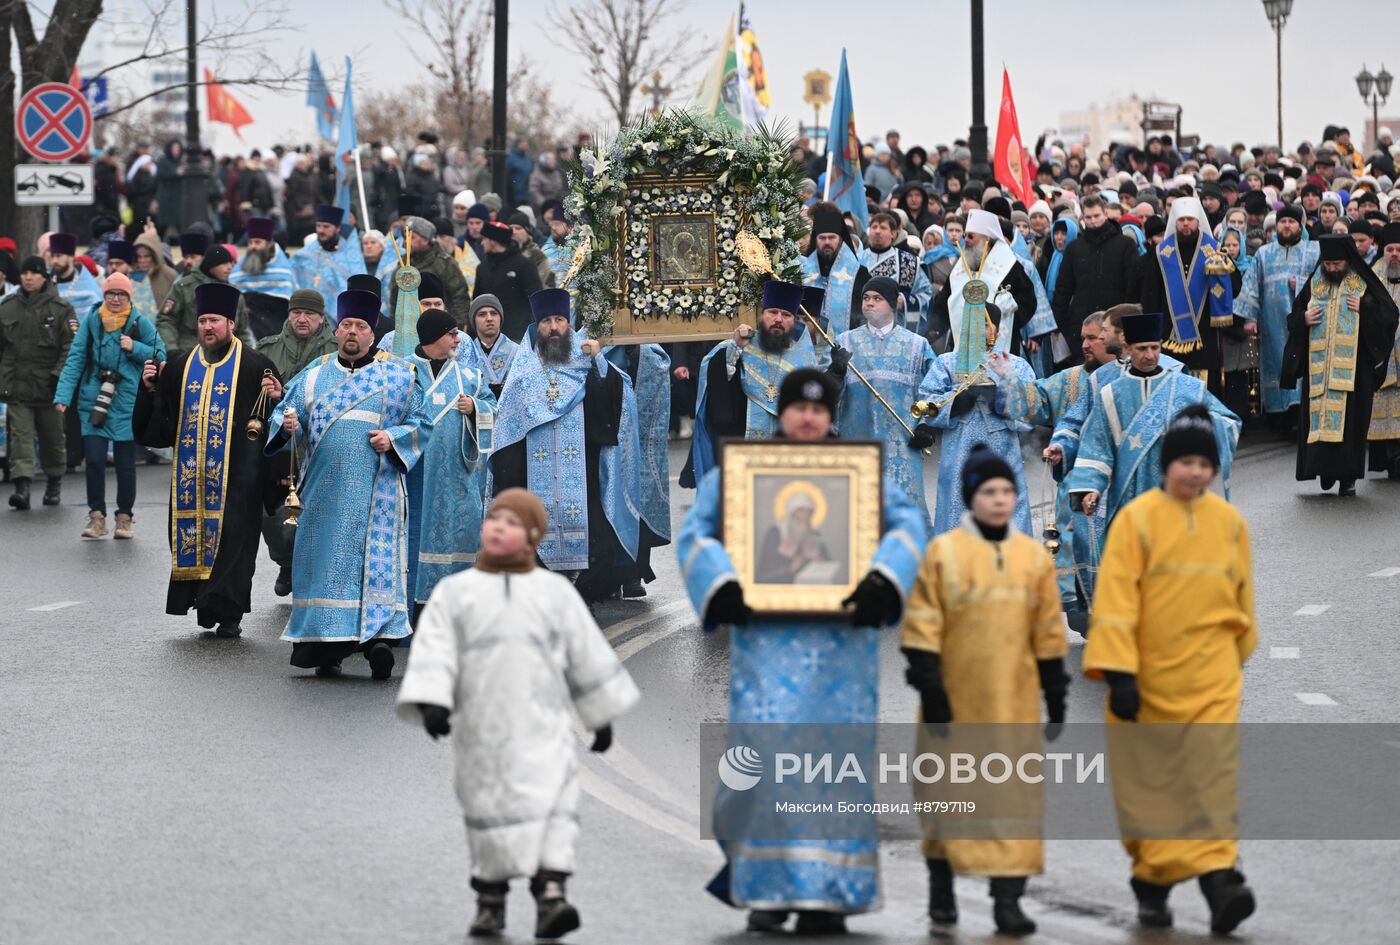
616,630
1315,698
1283,652
639,810
57,605
1311,610
1385,572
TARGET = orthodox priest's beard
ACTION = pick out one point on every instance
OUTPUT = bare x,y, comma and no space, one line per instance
826,258
554,349
1392,270
974,256
1335,278
255,261
776,339
1293,240
329,245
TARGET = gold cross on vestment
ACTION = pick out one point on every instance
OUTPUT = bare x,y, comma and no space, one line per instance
552,394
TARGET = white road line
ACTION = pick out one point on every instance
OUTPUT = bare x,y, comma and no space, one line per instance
613,631
1385,572
58,605
1315,698
1283,652
639,810
1312,610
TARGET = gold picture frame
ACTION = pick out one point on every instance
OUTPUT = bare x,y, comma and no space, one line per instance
801,521
683,247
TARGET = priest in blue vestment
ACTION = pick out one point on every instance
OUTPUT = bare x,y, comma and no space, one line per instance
739,380
1120,448
1088,532
972,409
566,429
1277,273
1188,278
649,367
813,671
832,267
445,489
1045,402
327,264
895,360
357,413
264,276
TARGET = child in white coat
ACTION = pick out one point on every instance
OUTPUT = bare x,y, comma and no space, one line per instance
510,650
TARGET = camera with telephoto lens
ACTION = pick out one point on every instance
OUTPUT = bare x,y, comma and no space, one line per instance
105,393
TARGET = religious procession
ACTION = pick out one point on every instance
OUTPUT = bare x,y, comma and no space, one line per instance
827,461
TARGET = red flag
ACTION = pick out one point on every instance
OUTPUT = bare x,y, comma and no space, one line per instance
223,107
1010,166
75,80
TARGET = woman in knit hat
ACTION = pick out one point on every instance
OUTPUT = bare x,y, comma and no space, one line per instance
109,351
512,651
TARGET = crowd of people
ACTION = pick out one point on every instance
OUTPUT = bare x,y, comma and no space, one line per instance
409,418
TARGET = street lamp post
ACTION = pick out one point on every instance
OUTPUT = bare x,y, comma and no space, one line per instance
977,134
193,172
1380,82
500,70
1277,11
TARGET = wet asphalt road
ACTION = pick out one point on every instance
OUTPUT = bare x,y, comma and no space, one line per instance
159,785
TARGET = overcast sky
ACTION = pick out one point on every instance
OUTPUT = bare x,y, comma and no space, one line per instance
910,62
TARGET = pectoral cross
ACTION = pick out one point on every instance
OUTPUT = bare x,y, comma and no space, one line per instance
552,393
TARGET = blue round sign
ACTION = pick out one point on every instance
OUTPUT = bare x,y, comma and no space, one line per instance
53,122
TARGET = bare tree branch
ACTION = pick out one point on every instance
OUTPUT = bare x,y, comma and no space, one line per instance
622,42
461,29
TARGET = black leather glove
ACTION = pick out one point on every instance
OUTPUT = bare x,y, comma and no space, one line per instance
876,601
922,438
602,739
925,673
1053,686
435,720
727,606
840,360
1123,698
964,402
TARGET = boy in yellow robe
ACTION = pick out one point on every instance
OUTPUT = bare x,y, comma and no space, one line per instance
1172,625
983,631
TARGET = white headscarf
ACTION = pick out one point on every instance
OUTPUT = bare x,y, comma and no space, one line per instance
984,222
1187,207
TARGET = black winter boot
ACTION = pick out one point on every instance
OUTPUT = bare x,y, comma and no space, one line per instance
53,491
490,918
554,917
942,904
20,500
1153,912
1006,906
766,920
819,923
1230,900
